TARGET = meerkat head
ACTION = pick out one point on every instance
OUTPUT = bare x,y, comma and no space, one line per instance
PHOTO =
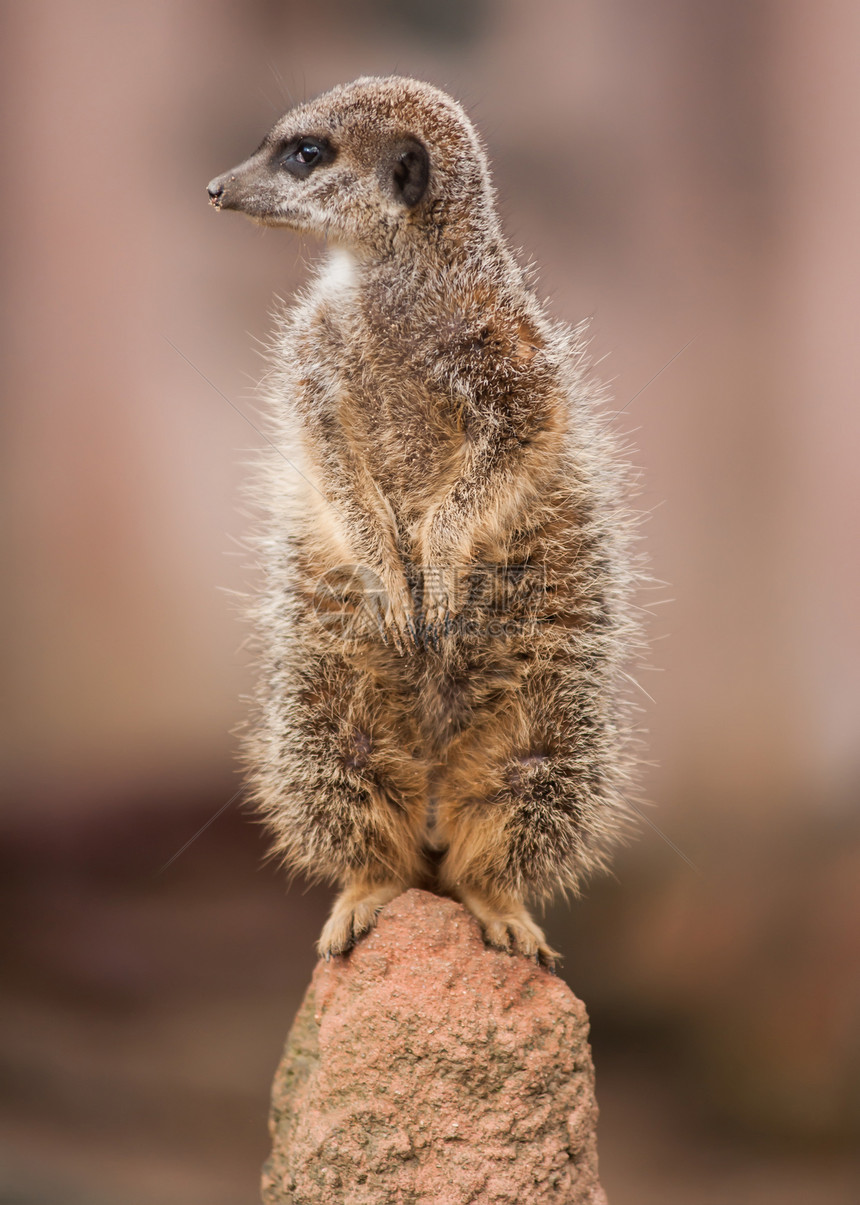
364,163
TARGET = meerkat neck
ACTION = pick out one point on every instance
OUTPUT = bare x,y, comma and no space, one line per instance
417,272
417,275
339,271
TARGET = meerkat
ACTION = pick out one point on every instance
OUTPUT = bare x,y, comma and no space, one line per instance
447,547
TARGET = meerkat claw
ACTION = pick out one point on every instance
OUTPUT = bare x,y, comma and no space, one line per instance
393,634
354,913
380,626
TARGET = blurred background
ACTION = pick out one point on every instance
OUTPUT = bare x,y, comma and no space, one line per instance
683,172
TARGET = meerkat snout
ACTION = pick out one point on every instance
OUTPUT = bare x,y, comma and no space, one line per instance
285,182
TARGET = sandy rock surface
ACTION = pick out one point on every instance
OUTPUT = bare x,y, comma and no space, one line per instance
424,1067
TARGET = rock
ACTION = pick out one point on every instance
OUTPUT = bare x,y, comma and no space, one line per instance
426,1068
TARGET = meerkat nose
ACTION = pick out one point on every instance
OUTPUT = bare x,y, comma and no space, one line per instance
216,190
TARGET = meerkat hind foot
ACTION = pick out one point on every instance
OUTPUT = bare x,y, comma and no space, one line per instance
507,925
354,913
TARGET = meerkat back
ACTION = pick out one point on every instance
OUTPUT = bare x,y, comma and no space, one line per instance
447,553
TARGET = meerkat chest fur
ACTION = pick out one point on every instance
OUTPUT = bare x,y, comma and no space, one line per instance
412,371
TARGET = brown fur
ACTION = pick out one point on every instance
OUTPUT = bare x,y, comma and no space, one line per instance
448,573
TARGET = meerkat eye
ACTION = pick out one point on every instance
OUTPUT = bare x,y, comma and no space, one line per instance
301,155
307,152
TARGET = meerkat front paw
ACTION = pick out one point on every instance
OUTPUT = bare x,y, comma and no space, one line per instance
395,617
507,925
399,621
440,603
354,913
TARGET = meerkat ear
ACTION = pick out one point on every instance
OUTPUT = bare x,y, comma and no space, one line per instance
410,172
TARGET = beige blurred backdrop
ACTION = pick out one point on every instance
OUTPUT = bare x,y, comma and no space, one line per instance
683,172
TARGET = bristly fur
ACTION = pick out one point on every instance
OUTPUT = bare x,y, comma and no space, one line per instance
448,556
